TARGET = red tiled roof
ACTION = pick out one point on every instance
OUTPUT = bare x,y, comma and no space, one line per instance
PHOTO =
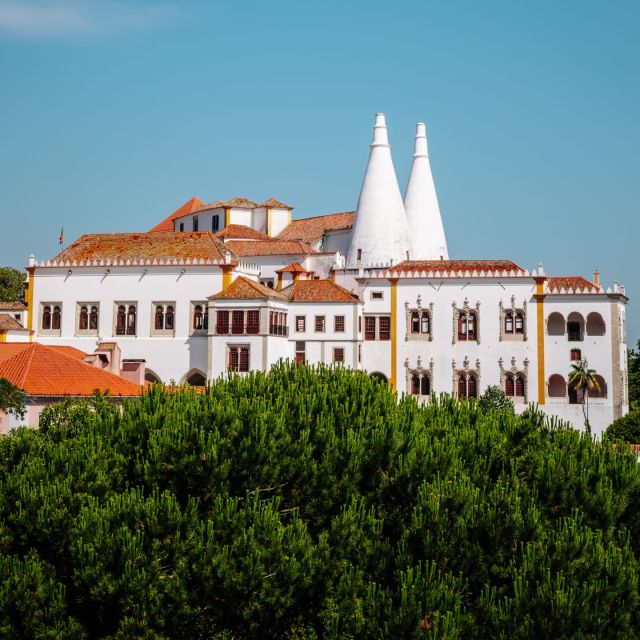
45,371
312,229
272,203
247,248
235,203
13,306
473,266
167,246
555,283
294,267
9,323
72,352
318,291
188,207
241,232
243,288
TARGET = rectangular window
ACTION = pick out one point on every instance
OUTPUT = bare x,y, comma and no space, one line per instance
222,322
253,321
215,223
300,352
126,318
369,328
182,226
576,354
238,358
385,327
377,295
237,322
319,325
338,354
195,223
338,324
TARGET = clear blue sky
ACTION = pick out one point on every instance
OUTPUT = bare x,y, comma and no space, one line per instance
112,114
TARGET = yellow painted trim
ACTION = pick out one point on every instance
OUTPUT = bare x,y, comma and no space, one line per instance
29,297
333,276
227,276
394,332
539,296
227,216
279,281
268,221
3,336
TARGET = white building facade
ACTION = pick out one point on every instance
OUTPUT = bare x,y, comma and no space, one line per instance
238,285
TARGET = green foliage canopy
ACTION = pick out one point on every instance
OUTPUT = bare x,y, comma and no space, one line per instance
12,399
495,399
625,429
11,284
315,504
634,375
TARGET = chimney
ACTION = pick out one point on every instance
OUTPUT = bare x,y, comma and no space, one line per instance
596,278
134,371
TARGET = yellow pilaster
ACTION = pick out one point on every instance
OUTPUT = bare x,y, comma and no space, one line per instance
3,336
394,332
227,276
29,299
279,281
539,296
227,216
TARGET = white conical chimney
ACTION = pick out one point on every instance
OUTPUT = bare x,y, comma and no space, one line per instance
380,232
421,204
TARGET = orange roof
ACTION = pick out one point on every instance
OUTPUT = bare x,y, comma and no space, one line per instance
9,323
45,371
247,248
188,207
167,246
473,266
235,203
294,267
13,306
241,232
571,282
312,229
243,288
275,204
318,291
72,352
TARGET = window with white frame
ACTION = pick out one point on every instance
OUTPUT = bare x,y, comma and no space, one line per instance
319,324
50,318
125,318
238,358
338,324
87,318
199,318
301,322
338,354
164,319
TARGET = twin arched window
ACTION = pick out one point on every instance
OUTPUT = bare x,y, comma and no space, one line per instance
51,317
126,320
420,323
514,385
513,322
164,317
200,318
467,386
420,385
467,325
88,318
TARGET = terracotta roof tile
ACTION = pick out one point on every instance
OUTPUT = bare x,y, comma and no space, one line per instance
318,291
72,352
235,203
188,207
241,232
168,245
45,371
294,267
242,288
13,306
555,283
275,204
247,248
312,229
473,266
9,323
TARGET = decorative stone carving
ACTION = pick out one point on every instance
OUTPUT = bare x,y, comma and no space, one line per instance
409,309
466,308
514,311
515,371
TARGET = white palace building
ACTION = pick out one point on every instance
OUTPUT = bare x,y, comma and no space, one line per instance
238,285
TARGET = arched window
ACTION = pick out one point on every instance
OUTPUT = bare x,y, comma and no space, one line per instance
520,386
425,324
601,392
575,327
509,386
508,323
462,327
55,319
83,319
462,387
557,386
121,320
425,387
415,322
93,318
595,324
555,324
168,318
198,320
415,384
159,321
131,320
519,323
46,318
472,386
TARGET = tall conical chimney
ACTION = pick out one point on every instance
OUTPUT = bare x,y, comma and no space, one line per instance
380,232
421,204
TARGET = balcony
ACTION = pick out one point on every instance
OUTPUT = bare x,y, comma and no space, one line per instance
249,330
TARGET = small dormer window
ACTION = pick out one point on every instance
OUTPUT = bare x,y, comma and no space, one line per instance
359,254
215,223
182,226
195,223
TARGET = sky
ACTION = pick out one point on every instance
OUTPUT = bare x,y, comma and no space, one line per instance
114,113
